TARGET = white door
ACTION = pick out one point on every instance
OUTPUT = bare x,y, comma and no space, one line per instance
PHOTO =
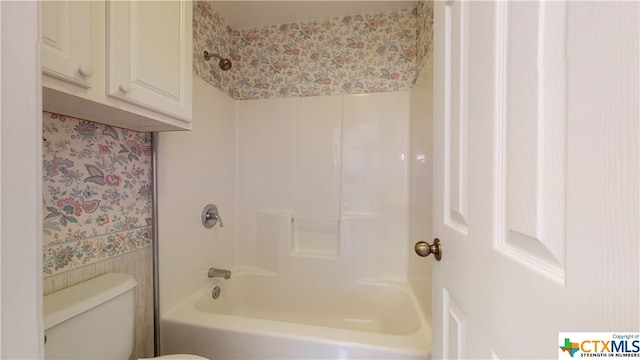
536,175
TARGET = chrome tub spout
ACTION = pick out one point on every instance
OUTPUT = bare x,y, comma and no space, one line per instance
213,272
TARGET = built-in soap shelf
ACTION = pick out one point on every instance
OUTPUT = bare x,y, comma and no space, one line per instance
289,243
284,235
314,237
296,220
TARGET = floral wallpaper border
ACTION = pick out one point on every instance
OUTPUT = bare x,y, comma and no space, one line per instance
424,33
364,53
97,192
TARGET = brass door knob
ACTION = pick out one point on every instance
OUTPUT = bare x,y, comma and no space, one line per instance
423,249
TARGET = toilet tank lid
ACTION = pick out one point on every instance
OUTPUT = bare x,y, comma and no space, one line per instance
72,301
177,357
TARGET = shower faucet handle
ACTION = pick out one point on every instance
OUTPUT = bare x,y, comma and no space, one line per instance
218,218
210,216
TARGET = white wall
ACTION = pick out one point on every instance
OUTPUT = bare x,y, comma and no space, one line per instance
375,180
196,168
265,168
21,190
421,186
337,165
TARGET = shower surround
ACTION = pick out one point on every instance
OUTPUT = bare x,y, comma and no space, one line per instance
330,174
323,185
315,196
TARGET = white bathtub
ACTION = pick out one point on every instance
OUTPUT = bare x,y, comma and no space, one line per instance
262,317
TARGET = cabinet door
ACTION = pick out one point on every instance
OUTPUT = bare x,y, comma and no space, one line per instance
149,55
66,41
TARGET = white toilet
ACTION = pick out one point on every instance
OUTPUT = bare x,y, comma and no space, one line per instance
93,320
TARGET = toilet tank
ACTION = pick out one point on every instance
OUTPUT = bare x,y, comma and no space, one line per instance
91,320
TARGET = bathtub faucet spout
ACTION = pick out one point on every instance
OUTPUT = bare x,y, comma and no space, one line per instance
213,272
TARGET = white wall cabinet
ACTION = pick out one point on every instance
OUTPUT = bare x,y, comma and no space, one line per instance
66,42
149,62
122,63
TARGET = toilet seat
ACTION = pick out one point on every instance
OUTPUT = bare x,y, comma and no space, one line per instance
177,357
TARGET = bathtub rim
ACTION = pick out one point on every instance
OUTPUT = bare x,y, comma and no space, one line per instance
417,343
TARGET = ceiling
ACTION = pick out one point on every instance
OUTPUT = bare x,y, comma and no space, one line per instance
241,14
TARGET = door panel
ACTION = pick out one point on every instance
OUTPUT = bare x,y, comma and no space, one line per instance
149,55
456,323
455,113
536,180
531,120
66,41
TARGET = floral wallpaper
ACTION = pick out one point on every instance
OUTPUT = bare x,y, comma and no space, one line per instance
97,192
211,33
424,33
361,53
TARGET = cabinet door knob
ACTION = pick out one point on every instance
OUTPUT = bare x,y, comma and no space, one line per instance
125,87
85,70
